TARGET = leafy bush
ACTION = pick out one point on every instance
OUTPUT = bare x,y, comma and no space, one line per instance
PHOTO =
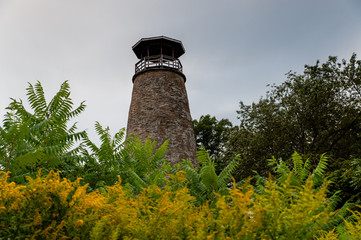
41,138
51,207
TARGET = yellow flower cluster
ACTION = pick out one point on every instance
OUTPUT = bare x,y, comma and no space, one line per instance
11,195
52,207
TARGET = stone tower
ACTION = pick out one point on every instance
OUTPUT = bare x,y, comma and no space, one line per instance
159,106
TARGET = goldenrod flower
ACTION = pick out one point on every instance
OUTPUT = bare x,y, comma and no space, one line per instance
79,223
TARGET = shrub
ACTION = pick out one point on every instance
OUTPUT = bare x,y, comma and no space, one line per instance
51,207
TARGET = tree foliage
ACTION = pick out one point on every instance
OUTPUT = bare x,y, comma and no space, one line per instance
312,113
212,134
41,138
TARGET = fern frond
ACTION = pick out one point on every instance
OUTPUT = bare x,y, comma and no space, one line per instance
78,110
104,134
74,136
280,168
29,160
18,113
306,170
119,138
297,164
338,218
193,177
209,177
57,101
36,98
137,181
260,183
157,177
203,157
159,155
40,126
226,174
318,172
272,161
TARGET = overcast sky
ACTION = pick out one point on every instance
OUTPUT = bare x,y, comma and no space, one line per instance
234,48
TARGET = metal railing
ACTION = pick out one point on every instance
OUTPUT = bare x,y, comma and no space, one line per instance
158,61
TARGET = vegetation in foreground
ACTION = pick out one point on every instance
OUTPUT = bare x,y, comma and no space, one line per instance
56,183
51,207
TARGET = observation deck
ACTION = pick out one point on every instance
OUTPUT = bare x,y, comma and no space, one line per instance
158,52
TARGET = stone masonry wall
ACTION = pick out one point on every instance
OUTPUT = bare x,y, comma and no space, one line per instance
160,109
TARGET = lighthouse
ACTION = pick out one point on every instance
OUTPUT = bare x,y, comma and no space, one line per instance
159,107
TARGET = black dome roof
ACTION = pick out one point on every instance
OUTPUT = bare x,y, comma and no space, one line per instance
157,45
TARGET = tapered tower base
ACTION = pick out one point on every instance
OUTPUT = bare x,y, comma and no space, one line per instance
160,109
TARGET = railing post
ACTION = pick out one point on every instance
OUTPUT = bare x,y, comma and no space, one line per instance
158,61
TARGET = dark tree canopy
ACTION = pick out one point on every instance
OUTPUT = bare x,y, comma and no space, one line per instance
312,113
212,134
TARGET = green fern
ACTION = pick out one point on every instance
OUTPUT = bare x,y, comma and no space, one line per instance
101,163
226,174
318,173
139,165
356,177
299,175
280,167
204,182
25,134
301,170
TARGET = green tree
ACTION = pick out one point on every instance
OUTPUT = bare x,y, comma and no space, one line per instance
212,134
43,138
312,113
